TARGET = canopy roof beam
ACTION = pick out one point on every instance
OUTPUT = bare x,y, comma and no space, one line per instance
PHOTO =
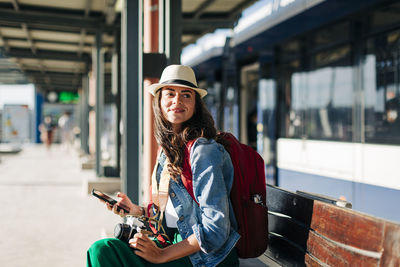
15,4
200,10
47,55
4,41
47,20
189,24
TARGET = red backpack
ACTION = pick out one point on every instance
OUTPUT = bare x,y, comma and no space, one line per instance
248,194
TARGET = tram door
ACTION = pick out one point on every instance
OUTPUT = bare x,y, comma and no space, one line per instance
258,114
267,123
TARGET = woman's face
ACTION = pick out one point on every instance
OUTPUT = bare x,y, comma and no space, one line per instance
177,105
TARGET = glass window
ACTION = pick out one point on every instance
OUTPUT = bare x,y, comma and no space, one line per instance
298,104
266,115
248,101
381,70
331,34
291,100
291,113
385,17
319,101
212,99
329,96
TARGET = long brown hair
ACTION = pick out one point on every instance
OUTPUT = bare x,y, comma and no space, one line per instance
201,124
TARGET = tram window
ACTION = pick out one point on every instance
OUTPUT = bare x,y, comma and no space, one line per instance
330,95
381,74
213,99
290,108
385,17
333,34
290,50
332,57
320,99
249,97
291,111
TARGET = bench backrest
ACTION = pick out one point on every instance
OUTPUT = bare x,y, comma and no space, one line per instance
307,231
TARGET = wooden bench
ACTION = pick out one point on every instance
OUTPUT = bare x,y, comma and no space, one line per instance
313,230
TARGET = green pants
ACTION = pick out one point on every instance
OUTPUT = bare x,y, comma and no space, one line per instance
114,252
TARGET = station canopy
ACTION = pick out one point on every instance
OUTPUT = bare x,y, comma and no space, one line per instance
50,42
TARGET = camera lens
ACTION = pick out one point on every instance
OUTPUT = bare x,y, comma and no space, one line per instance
121,231
124,232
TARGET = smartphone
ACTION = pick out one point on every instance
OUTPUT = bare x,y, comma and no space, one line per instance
109,199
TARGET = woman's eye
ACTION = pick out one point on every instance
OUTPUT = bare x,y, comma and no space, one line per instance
186,96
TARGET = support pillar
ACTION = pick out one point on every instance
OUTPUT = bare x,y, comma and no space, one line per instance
131,97
116,91
175,31
84,122
99,108
171,27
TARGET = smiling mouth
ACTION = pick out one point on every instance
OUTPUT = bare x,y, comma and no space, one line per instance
177,110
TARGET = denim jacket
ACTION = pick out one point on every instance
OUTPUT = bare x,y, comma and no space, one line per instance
212,221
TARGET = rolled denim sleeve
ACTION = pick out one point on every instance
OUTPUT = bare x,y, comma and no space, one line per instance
207,163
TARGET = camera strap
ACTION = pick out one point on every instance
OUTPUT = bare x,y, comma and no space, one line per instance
160,189
160,195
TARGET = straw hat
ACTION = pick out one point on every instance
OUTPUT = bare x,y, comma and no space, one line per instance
177,75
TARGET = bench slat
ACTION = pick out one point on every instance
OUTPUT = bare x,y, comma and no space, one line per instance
348,227
335,254
289,229
391,245
311,261
284,252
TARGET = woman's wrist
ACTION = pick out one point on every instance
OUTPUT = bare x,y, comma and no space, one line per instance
163,255
179,250
142,211
137,210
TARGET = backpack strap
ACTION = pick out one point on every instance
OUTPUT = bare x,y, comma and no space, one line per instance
187,176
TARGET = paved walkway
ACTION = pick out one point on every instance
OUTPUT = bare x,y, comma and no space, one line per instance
45,218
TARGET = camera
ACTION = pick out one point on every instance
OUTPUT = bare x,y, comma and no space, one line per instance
133,225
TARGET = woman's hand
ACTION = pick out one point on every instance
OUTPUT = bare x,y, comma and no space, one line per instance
125,200
146,248
149,251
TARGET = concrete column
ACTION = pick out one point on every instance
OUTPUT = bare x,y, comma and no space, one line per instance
171,16
92,113
161,26
116,91
131,97
99,108
175,31
85,115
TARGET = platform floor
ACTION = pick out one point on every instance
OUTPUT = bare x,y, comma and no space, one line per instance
46,219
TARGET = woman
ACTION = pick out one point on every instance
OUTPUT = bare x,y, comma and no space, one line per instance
206,226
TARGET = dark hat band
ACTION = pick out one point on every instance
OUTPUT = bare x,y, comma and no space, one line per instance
177,81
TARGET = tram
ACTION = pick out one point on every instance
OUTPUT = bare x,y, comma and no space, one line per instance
314,87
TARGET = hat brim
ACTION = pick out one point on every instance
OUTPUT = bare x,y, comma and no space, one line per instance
156,86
